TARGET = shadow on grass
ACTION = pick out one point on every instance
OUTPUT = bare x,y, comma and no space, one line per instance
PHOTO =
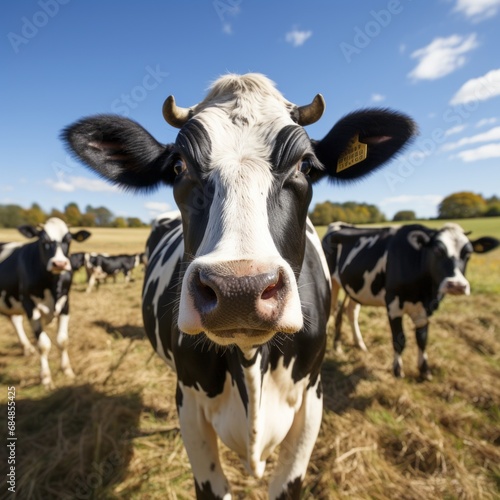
74,443
339,386
123,331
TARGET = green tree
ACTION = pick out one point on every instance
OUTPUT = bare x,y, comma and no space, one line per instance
103,216
35,215
404,215
134,222
73,214
120,222
462,205
12,216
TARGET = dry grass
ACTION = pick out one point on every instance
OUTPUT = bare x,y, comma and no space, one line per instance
113,433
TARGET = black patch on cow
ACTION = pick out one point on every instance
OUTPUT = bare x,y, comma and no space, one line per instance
194,145
173,247
292,491
378,283
179,397
205,491
148,314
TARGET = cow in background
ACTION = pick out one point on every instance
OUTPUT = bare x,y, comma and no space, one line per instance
406,269
77,260
100,267
237,293
35,279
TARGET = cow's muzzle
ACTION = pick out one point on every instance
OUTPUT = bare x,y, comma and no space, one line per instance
240,301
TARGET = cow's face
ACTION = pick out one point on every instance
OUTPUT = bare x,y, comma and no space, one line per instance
243,189
241,167
449,251
53,240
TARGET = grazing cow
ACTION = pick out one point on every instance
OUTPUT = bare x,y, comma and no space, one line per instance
35,279
407,269
100,267
237,294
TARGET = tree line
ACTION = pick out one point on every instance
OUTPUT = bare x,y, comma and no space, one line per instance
14,215
462,205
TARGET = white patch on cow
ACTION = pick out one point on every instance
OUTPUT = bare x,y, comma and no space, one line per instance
15,306
7,250
62,343
164,275
56,230
363,242
44,306
17,322
454,239
233,114
418,238
44,345
61,302
365,295
416,311
313,237
273,394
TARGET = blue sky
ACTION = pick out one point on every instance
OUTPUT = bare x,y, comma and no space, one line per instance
435,60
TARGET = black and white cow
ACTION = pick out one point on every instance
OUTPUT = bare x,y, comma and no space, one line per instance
35,279
78,260
406,269
99,267
237,294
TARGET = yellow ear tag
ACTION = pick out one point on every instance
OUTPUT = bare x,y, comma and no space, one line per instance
355,152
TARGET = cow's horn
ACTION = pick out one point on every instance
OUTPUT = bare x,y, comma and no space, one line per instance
311,113
173,114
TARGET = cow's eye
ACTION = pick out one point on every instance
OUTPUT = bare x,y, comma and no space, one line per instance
440,249
179,166
47,246
304,165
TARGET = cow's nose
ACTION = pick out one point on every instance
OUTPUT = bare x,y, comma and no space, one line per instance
59,265
229,299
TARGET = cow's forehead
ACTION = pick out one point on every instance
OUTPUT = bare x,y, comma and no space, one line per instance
452,235
56,229
242,116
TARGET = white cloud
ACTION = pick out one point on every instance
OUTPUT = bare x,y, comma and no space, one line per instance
477,10
482,153
5,188
486,121
227,29
491,135
442,56
377,98
156,207
408,199
72,183
479,89
297,37
454,130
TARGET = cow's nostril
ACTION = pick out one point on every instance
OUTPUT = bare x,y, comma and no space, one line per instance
273,288
205,292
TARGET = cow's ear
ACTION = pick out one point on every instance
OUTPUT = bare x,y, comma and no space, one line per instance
418,239
485,244
361,142
29,231
119,150
81,235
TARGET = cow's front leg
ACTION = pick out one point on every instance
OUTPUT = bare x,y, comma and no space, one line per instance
62,343
43,342
200,441
17,322
423,367
296,448
398,343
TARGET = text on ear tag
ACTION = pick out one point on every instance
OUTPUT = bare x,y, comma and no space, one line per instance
354,153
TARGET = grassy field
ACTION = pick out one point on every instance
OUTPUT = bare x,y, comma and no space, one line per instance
113,432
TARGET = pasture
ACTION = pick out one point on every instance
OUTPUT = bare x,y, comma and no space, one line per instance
113,432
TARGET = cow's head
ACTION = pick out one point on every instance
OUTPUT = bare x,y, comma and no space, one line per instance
242,168
53,240
447,253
